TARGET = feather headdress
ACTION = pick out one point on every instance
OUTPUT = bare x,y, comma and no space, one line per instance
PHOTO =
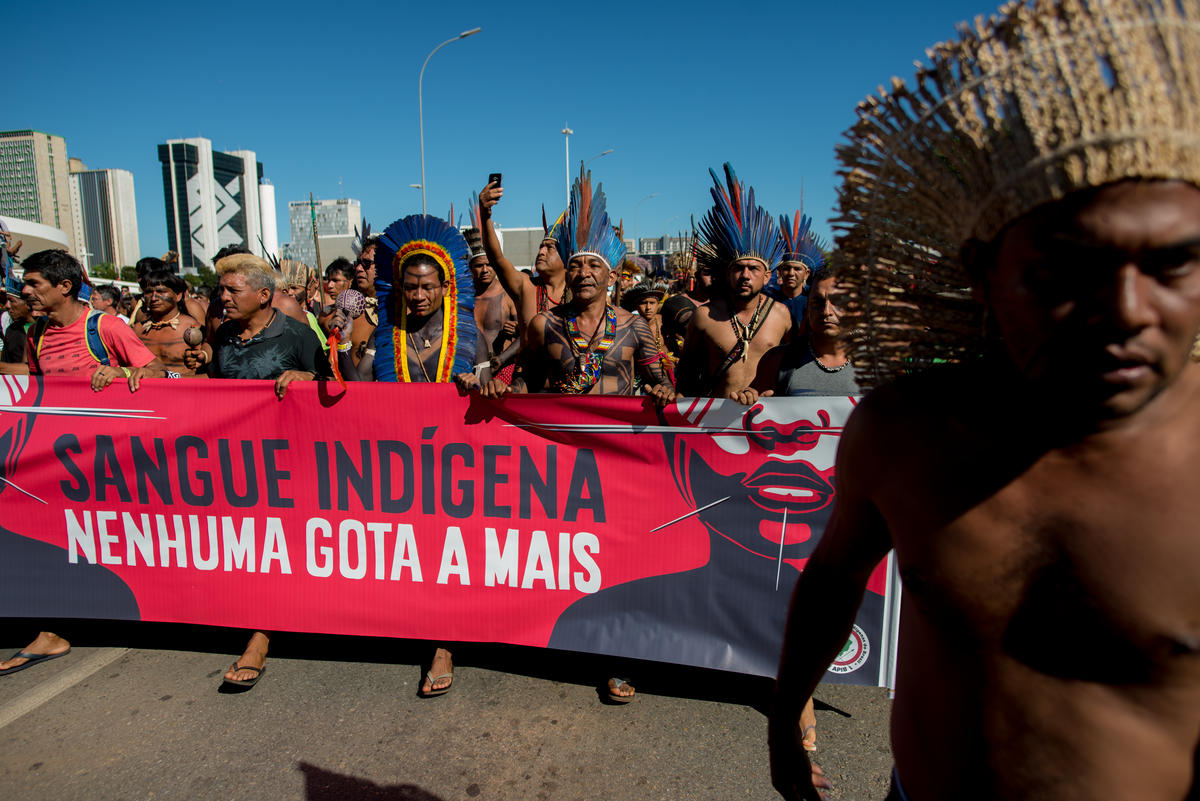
734,228
800,244
474,233
430,236
551,233
1044,100
361,238
586,229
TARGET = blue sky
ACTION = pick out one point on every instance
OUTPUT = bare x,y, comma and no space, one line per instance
328,92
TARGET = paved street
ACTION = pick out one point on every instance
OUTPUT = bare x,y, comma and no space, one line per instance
134,712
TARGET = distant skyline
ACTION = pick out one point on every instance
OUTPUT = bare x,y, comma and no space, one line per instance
329,103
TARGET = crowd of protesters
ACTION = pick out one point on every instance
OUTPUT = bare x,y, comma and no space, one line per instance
668,331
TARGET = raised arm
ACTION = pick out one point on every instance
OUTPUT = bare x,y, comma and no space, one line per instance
833,583
515,283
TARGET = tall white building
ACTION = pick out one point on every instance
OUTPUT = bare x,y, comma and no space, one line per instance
34,183
336,223
213,199
104,215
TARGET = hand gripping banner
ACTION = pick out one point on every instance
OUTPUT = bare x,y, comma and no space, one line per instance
596,524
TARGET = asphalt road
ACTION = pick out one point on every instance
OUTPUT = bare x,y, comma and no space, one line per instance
135,711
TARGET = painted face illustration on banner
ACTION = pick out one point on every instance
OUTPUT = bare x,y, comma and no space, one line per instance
15,434
786,499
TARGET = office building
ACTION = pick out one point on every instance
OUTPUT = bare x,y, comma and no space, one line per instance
336,223
104,215
34,183
213,199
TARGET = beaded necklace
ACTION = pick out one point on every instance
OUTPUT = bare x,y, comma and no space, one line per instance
589,354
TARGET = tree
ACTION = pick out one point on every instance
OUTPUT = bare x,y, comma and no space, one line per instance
204,277
129,274
103,270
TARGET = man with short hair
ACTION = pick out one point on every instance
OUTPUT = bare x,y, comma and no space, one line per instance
1038,485
256,341
362,331
162,328
106,298
72,340
728,335
816,363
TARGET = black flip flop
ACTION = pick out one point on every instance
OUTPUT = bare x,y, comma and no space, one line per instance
34,659
246,682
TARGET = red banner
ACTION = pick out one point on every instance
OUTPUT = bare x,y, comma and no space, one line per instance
599,524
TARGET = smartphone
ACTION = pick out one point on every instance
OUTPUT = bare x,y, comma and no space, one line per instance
494,178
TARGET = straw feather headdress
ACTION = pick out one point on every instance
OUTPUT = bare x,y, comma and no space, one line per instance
430,236
734,228
586,229
1046,99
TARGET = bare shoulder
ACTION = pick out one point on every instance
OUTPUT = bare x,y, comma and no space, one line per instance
779,315
188,321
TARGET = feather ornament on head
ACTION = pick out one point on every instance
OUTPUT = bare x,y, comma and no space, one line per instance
586,229
474,233
800,244
423,234
1043,100
551,233
734,228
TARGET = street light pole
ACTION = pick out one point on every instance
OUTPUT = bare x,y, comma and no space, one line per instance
637,243
421,105
598,155
566,132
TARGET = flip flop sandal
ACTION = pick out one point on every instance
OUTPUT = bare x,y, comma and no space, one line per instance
615,684
34,659
803,738
258,674
432,679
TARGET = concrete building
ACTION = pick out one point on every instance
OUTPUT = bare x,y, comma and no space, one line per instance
104,214
34,183
336,223
213,199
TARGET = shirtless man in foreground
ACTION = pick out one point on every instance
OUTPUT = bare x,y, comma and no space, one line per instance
1041,498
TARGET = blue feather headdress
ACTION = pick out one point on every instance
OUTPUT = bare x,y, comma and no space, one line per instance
734,228
427,235
586,229
800,244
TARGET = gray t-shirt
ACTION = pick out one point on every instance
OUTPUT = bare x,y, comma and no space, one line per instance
801,374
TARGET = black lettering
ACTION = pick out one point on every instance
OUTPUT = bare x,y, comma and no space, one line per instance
545,487
322,462
225,458
493,478
189,496
349,477
427,477
585,476
108,470
466,505
154,471
63,446
387,502
273,476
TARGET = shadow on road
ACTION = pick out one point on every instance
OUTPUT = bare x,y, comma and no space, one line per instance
324,785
